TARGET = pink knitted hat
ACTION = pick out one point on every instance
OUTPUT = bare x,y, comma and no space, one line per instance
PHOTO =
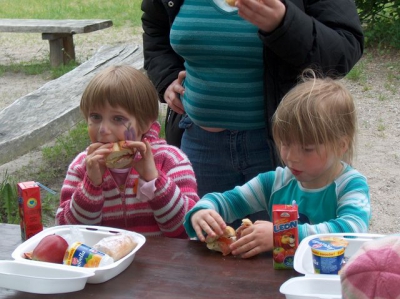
373,271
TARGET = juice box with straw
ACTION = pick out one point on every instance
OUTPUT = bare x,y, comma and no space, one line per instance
285,234
30,209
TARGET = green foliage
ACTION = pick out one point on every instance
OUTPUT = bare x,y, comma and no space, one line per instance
37,67
8,200
67,146
381,21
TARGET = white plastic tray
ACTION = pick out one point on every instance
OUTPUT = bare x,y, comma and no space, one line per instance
318,286
41,278
91,235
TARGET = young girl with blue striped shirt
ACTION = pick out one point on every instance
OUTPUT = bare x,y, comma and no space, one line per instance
314,129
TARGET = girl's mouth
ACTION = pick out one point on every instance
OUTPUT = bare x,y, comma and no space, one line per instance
295,172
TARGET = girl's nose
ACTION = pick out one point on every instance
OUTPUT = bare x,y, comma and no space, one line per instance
104,130
292,154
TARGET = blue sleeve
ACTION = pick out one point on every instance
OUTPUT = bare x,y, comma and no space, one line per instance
236,203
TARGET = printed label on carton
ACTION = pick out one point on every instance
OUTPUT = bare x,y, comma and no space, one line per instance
30,209
285,235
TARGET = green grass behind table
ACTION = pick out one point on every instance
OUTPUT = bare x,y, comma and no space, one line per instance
121,12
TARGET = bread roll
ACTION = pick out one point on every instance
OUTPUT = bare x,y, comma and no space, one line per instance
116,246
120,157
221,243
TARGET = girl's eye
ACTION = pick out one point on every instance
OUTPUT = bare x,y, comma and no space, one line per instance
309,149
95,116
119,119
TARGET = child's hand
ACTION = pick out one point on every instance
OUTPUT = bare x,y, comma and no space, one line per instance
209,221
255,239
95,161
146,167
265,14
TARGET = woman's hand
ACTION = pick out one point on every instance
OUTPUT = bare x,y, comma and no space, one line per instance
145,166
255,239
209,221
173,92
95,161
267,15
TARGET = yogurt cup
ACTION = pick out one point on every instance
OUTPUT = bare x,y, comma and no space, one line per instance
327,254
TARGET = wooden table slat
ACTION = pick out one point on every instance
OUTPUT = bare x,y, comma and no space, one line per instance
53,26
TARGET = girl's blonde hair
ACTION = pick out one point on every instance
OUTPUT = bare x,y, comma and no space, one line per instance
126,87
317,111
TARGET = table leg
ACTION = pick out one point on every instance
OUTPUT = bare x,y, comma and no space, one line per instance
62,49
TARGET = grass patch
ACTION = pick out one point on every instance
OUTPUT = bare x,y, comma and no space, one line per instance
357,73
50,173
122,12
38,67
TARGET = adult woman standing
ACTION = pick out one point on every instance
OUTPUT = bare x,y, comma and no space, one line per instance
227,69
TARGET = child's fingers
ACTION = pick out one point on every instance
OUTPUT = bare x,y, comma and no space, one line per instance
199,233
140,146
105,147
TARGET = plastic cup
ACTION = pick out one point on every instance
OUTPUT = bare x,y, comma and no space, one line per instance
327,254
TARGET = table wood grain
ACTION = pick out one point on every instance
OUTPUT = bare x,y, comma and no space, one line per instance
172,268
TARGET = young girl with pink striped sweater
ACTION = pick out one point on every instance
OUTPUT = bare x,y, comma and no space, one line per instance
152,195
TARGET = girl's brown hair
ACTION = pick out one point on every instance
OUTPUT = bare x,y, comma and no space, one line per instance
317,111
126,87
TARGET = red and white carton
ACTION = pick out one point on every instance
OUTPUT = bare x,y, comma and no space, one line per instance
30,209
286,236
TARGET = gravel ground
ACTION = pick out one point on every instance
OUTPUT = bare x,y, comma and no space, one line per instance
377,95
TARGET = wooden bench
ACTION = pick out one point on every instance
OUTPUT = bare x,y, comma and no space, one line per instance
53,109
59,33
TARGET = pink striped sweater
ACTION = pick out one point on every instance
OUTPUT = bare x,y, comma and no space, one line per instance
175,194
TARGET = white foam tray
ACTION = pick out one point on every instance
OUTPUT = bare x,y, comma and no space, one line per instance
319,286
91,235
41,278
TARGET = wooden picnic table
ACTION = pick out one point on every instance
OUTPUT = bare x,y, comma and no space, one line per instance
173,268
59,33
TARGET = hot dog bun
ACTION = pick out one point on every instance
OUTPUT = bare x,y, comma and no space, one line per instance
221,243
120,157
117,246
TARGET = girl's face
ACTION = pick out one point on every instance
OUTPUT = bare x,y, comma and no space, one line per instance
109,124
314,166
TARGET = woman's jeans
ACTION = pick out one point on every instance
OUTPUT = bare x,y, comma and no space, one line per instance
224,160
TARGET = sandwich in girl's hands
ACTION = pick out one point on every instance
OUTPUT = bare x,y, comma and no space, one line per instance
222,243
120,156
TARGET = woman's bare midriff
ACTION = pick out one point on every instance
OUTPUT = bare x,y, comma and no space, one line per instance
213,130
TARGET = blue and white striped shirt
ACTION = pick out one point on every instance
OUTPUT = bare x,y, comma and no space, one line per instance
342,206
224,66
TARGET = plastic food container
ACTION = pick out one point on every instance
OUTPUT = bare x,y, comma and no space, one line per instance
319,286
43,276
41,279
327,254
